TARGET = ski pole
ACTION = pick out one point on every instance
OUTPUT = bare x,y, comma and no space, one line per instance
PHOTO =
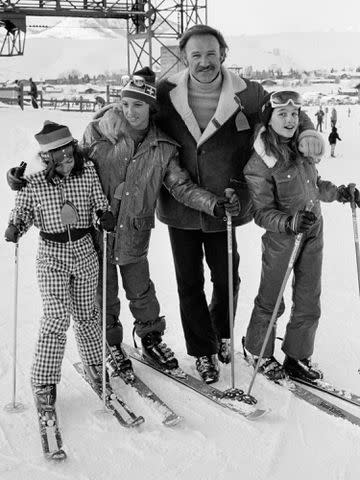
276,308
228,193
232,393
231,296
104,272
355,229
15,406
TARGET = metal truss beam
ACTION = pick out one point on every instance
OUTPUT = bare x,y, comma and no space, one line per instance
163,24
151,25
13,42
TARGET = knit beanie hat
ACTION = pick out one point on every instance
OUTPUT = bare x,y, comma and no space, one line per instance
53,136
142,88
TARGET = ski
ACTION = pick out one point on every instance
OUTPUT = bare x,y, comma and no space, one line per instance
50,435
168,416
331,390
323,405
217,396
115,404
313,399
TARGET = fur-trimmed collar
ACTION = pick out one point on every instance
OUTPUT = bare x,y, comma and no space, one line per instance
259,147
228,103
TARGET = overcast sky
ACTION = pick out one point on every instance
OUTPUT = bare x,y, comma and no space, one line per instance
236,17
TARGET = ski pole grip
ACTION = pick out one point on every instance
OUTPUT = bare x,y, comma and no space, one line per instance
351,188
309,206
229,192
21,168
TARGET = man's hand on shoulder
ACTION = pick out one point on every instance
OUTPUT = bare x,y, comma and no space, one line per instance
311,144
110,125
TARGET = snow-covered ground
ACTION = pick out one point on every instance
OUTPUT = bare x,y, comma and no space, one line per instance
294,441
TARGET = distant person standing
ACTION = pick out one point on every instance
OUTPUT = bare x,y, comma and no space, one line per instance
349,111
333,118
333,136
320,118
33,93
326,116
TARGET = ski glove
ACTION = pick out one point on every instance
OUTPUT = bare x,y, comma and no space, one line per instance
311,144
226,206
15,178
344,195
301,222
111,124
12,233
106,221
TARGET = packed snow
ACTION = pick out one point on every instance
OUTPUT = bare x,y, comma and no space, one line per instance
295,440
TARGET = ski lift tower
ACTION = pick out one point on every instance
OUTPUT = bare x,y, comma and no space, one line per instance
163,23
150,24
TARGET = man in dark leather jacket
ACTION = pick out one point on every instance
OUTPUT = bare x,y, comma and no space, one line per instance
211,113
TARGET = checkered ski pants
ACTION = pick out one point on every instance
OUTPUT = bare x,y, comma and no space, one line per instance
67,276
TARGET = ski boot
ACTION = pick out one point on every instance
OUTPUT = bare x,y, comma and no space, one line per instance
154,348
301,369
208,368
271,368
120,364
44,395
94,374
224,354
51,441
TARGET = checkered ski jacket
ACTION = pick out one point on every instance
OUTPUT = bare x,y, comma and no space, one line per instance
40,202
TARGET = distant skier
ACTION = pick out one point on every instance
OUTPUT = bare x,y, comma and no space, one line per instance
33,93
333,136
326,116
333,117
61,201
284,187
349,111
320,118
99,102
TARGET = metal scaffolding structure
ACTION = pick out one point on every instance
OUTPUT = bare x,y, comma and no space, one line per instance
151,25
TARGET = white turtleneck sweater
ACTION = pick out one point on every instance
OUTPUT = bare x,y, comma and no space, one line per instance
203,99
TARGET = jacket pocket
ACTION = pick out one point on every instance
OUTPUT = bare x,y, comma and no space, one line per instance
141,234
144,223
288,185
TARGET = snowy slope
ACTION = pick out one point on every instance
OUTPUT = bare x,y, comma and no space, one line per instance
295,441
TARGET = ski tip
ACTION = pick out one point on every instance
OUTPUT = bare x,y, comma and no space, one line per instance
57,456
172,420
258,413
137,421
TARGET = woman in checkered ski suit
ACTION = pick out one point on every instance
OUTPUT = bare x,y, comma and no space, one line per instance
67,270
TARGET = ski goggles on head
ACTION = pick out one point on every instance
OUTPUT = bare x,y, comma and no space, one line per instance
284,98
134,79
